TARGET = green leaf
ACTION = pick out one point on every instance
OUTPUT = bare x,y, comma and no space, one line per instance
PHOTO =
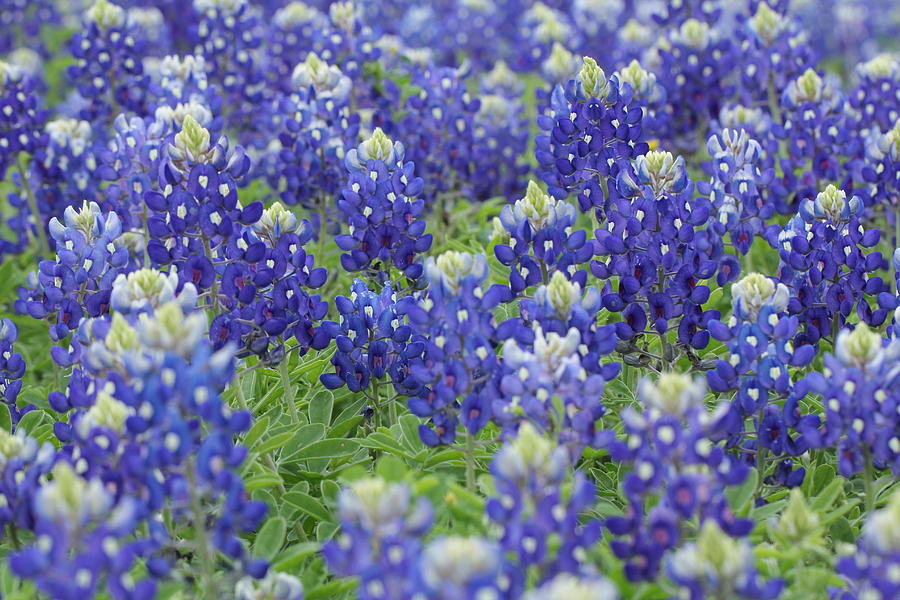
391,468
5,420
320,408
825,499
290,557
262,480
270,538
841,531
31,420
303,437
409,425
260,427
382,440
331,590
274,442
741,496
307,505
329,448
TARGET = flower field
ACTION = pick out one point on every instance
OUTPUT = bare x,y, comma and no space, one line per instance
450,300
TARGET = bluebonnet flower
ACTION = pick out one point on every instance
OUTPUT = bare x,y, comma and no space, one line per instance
78,282
645,89
566,586
869,570
382,524
500,140
541,27
542,240
456,566
227,37
381,206
458,356
763,345
652,242
373,341
265,287
21,131
695,65
552,354
716,565
593,130
108,69
824,264
874,99
673,446
439,135
860,419
21,116
539,504
559,66
64,171
305,164
275,586
677,12
736,187
12,369
81,531
183,79
775,51
293,31
24,465
148,379
197,212
20,22
882,160
813,128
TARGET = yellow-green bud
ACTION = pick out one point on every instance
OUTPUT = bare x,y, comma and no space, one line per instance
379,146
861,348
767,23
108,412
104,14
672,394
593,79
193,139
799,524
121,337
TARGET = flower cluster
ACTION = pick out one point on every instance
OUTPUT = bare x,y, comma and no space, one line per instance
108,69
673,447
824,264
595,127
653,244
458,357
381,205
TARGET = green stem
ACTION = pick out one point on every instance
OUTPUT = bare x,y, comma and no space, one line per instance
376,404
201,536
392,410
290,395
896,245
470,461
207,249
33,206
760,455
869,482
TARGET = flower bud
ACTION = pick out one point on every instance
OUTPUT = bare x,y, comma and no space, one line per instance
105,15
767,24
860,348
592,79
754,291
192,142
673,394
451,268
